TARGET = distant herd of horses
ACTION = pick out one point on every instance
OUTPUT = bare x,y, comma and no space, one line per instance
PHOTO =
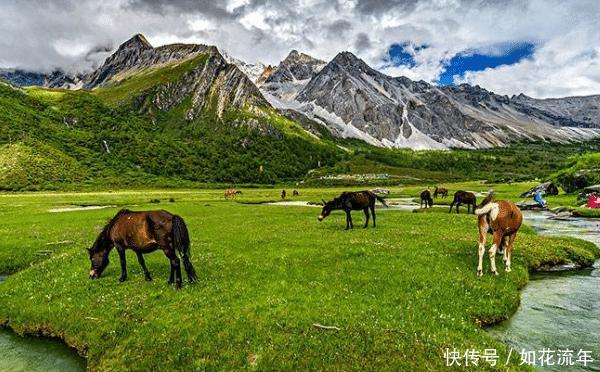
147,231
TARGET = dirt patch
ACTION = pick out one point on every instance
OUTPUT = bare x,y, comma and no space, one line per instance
79,208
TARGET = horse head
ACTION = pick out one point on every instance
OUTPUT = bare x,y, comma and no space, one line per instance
327,208
98,254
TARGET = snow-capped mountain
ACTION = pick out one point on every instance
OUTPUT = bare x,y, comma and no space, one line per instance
254,71
353,100
281,84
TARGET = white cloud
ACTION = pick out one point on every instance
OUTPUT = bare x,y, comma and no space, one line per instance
47,34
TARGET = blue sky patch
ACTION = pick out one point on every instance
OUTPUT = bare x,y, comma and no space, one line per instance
403,54
469,60
477,61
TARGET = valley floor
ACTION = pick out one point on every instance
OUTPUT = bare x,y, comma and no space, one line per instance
398,295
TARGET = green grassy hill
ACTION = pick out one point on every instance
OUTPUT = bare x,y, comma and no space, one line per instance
151,146
145,120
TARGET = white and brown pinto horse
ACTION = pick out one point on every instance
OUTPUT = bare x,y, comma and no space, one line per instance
502,219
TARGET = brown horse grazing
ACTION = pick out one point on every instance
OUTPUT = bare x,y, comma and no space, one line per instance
231,193
295,193
349,201
502,219
426,197
143,232
440,191
464,197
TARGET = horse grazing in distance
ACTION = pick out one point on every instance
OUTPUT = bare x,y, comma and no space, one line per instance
440,191
426,197
464,197
283,194
144,232
349,201
231,193
295,193
502,219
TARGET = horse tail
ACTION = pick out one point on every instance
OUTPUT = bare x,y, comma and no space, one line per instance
381,200
490,209
181,242
490,196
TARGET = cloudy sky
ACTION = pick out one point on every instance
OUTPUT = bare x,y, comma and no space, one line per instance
543,48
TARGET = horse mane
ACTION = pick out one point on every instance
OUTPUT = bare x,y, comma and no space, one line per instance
105,233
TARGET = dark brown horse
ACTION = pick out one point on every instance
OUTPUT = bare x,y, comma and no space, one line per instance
426,197
464,197
349,201
502,219
283,194
440,191
295,193
144,232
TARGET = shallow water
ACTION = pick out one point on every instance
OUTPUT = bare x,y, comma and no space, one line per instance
33,354
558,310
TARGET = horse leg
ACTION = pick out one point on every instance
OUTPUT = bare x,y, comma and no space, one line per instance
171,275
121,252
508,251
175,268
458,205
373,213
140,258
350,218
366,210
347,219
451,206
483,227
492,251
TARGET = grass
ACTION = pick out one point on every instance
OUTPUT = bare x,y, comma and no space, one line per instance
400,293
130,87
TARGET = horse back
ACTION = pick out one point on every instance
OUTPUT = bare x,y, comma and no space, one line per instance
509,217
358,199
142,230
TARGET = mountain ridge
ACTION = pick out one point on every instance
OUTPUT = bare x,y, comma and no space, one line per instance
346,96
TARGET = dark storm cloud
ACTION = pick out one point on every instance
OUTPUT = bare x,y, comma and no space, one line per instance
338,28
378,7
209,8
362,42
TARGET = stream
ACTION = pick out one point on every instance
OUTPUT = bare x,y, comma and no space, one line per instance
36,353
558,310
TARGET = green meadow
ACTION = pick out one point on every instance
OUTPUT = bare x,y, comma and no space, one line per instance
270,276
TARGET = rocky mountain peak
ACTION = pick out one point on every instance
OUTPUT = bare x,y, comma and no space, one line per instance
296,67
138,41
295,57
349,60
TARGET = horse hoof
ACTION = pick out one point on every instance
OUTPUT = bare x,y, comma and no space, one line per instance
479,272
495,272
148,278
508,270
122,279
178,285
